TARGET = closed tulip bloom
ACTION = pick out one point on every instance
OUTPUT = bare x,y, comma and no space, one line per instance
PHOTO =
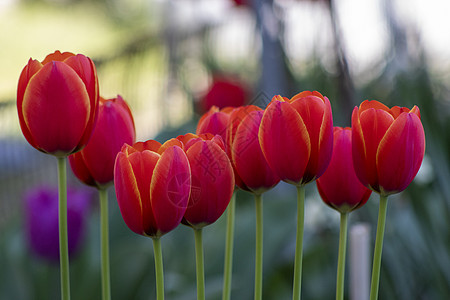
296,136
248,159
214,121
94,164
57,102
152,185
388,146
338,186
212,179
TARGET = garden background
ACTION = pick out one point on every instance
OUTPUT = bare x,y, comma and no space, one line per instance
163,57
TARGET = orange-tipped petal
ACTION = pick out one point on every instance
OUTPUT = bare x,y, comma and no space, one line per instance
57,114
374,124
285,141
367,104
127,192
400,153
57,56
170,189
315,111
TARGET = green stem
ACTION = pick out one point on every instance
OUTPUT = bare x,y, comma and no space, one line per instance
341,257
199,264
104,236
158,269
378,248
259,247
63,239
296,295
228,268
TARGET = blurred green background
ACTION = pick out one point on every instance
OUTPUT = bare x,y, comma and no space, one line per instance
161,57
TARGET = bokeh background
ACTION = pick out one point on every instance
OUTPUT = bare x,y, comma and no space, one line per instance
163,57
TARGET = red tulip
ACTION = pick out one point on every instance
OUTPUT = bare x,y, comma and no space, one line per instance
152,186
254,172
338,186
224,92
94,165
215,121
296,136
212,179
388,146
57,102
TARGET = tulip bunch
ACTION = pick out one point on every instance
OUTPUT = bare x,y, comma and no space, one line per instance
191,179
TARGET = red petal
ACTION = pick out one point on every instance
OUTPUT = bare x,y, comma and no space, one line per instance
114,127
28,71
338,186
285,141
316,114
85,68
56,108
79,168
143,164
170,189
57,56
248,158
128,194
366,104
212,183
400,153
374,124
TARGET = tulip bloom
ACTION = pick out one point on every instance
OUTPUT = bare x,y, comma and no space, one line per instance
388,146
215,121
94,165
41,221
341,189
152,186
338,186
296,136
57,102
212,179
224,92
250,164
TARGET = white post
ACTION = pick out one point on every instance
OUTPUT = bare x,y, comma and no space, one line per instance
359,261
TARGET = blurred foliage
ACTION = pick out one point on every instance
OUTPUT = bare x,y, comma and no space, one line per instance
164,65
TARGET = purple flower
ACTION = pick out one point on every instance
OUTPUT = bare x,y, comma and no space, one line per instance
41,220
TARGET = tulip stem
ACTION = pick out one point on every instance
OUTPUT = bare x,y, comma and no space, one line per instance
158,268
341,256
199,264
296,295
228,264
378,248
259,247
104,236
63,239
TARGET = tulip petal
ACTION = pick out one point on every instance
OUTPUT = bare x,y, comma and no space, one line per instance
400,153
371,126
170,189
215,123
248,158
28,71
212,183
316,114
127,192
114,128
79,167
85,69
143,164
285,141
56,108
